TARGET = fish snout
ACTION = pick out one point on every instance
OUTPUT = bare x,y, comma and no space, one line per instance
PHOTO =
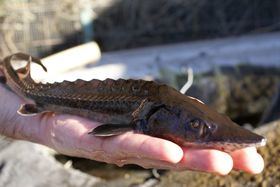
232,137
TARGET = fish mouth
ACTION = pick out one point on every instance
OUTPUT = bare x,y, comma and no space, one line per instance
226,146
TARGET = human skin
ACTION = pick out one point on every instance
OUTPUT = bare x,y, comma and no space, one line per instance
68,134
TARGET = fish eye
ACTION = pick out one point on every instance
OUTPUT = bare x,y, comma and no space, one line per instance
199,127
195,124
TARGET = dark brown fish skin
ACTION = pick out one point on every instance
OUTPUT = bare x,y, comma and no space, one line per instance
145,106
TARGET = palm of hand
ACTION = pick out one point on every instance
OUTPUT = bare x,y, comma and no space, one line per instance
69,135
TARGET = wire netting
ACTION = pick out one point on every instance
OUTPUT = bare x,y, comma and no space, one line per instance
43,27
37,27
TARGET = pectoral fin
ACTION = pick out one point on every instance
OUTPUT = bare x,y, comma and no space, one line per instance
111,129
28,110
3,79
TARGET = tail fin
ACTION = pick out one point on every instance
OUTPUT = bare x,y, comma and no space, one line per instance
23,74
29,58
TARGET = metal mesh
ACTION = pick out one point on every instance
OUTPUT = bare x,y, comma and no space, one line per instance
45,26
37,27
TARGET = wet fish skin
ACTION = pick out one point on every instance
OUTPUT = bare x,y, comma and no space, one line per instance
124,105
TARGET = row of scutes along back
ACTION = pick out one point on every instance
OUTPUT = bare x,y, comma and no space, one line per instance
120,87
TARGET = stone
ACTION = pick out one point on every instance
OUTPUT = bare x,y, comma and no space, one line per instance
28,164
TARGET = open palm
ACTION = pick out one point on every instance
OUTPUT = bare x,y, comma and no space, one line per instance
69,135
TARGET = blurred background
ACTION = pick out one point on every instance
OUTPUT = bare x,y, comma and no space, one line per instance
44,27
227,51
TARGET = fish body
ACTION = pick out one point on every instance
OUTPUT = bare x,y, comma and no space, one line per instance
124,105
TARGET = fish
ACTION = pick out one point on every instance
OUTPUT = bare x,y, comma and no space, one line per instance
125,105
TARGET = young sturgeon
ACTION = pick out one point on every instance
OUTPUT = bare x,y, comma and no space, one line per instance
124,105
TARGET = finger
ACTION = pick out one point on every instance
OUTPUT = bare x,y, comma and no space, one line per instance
248,160
137,146
143,146
200,160
208,160
69,133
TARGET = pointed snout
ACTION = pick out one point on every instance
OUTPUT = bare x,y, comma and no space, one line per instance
231,136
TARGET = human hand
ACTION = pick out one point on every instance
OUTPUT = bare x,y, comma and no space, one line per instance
69,135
